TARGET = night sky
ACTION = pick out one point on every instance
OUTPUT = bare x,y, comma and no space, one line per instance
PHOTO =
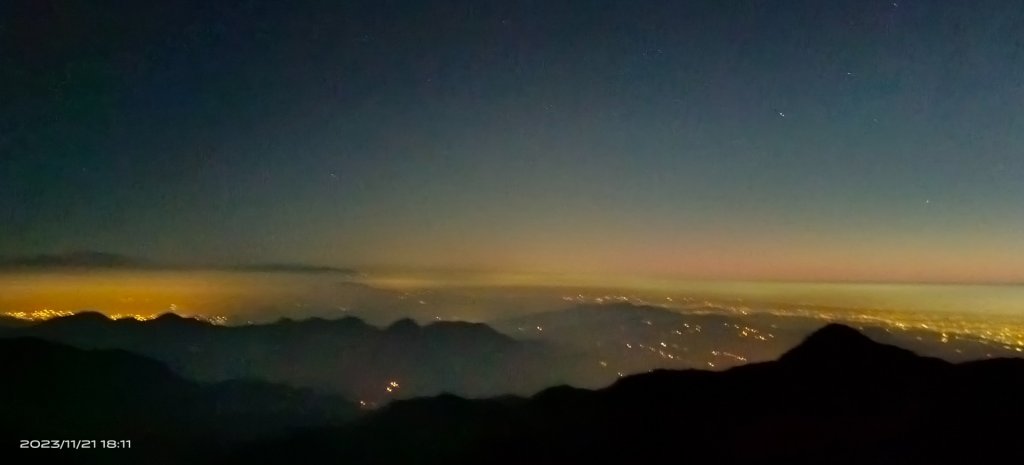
821,140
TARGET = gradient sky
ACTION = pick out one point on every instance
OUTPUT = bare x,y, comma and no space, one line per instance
838,140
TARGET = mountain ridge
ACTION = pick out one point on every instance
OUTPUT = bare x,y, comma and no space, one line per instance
346,355
785,411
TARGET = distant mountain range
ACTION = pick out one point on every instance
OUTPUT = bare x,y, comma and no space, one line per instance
345,356
585,346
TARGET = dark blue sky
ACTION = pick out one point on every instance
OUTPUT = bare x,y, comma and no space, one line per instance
859,139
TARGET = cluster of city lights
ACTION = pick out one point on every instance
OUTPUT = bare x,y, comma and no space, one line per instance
1005,332
49,314
38,315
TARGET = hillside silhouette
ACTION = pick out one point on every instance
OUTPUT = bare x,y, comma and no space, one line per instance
11,322
838,397
345,356
54,391
587,346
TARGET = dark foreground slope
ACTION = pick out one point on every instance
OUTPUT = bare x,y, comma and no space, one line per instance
838,397
55,392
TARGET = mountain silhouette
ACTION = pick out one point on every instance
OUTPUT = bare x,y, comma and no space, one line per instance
11,322
344,356
838,397
54,391
840,347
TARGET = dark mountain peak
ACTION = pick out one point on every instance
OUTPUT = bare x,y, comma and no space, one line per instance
836,333
561,393
352,320
317,323
348,322
170,318
464,332
840,347
463,326
404,325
